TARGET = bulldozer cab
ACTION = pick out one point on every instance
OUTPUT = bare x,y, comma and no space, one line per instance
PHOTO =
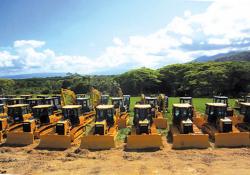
34,102
182,112
10,96
72,113
42,113
151,101
42,96
215,111
3,101
51,101
220,99
247,99
187,100
104,99
105,113
80,95
14,101
245,111
85,103
26,97
142,118
17,112
126,101
1,108
57,101
117,102
162,102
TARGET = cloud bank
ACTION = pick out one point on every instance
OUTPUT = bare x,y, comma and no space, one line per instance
224,26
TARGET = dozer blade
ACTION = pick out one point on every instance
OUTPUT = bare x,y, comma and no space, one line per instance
122,123
98,142
190,141
19,138
232,139
53,141
144,141
1,136
160,123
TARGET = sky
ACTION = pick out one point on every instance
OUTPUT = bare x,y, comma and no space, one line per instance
110,36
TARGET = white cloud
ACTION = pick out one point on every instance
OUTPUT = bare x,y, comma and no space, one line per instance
224,26
29,43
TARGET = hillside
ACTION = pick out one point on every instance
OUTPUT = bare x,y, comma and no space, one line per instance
231,56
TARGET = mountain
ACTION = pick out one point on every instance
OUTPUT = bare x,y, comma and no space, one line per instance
34,75
231,56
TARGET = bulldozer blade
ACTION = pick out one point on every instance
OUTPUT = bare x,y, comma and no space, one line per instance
160,123
98,142
190,141
144,141
19,138
122,123
53,141
1,136
232,139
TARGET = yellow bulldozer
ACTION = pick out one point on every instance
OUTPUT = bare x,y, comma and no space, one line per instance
158,110
3,120
121,112
183,132
34,102
104,99
224,99
17,115
220,128
144,133
42,122
73,124
103,134
69,130
243,99
243,119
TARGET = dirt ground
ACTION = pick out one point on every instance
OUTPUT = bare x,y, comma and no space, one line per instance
27,160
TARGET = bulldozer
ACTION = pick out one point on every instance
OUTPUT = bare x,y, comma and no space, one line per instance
243,99
144,133
42,96
3,111
121,112
158,109
243,123
103,134
54,101
220,128
85,103
10,96
42,122
126,101
26,97
17,114
188,100
183,132
3,101
224,99
34,102
69,130
104,99
73,124
13,101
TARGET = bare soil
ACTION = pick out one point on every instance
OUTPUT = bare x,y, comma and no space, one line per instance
29,160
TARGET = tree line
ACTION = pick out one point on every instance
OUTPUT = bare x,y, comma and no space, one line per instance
191,79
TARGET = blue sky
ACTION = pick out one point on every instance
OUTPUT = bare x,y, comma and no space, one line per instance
108,36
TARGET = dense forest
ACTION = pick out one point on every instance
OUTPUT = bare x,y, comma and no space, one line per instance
191,79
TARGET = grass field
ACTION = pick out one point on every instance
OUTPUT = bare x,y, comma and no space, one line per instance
199,104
